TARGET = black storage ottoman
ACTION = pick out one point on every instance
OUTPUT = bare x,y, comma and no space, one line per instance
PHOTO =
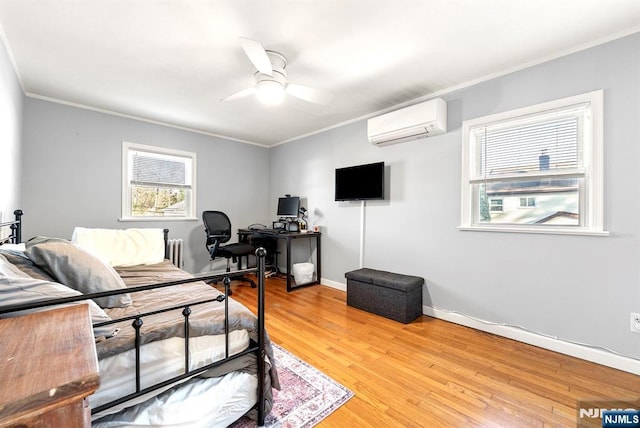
391,295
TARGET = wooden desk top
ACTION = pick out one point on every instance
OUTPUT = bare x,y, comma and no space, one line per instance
46,358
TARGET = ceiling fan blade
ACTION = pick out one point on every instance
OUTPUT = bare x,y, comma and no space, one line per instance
309,94
241,94
257,55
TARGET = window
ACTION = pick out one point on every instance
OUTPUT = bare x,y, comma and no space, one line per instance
546,158
528,202
495,205
157,183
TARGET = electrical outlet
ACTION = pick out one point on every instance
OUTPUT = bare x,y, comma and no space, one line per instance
635,322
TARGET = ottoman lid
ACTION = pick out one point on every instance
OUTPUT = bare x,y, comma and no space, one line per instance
362,275
386,279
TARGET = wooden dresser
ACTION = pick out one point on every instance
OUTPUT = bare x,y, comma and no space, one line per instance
48,368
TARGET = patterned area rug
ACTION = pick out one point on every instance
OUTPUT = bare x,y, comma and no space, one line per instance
307,395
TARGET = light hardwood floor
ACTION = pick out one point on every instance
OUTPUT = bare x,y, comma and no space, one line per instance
431,372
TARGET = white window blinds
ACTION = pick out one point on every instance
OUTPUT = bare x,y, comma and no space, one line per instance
549,144
161,171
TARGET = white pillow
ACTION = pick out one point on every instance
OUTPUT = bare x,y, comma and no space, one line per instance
122,247
13,247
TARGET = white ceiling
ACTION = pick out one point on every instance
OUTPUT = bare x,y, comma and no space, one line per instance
172,61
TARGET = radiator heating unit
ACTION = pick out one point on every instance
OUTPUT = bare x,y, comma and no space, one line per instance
176,252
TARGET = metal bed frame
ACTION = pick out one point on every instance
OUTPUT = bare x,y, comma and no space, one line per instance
137,321
15,226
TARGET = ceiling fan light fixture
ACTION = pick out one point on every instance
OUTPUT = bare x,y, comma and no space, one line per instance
270,92
271,78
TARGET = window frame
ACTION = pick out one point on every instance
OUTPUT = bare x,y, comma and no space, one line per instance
190,203
590,193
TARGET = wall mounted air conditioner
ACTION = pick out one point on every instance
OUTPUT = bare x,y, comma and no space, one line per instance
409,123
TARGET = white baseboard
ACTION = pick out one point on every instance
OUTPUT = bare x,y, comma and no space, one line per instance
595,355
333,284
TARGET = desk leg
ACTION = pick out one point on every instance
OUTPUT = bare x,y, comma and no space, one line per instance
289,288
318,273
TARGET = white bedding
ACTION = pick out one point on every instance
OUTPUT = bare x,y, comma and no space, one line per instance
159,360
198,403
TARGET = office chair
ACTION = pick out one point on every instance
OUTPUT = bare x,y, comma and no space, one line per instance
218,229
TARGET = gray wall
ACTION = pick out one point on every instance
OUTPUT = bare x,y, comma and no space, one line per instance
576,288
72,175
11,101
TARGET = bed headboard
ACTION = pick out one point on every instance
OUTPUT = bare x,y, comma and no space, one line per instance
11,231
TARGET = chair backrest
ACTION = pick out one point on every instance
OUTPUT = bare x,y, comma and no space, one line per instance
218,229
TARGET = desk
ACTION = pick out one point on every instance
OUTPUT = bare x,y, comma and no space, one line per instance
246,235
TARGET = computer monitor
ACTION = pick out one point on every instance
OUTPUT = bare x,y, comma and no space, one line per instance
289,206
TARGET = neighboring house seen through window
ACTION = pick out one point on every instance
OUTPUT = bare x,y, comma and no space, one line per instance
546,158
157,182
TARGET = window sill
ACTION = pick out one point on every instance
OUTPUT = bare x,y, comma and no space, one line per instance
159,218
536,230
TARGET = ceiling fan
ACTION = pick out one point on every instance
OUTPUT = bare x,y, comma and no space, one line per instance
271,78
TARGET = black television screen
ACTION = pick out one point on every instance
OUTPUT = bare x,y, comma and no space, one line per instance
360,182
289,206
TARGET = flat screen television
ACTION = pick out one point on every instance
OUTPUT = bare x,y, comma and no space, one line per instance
360,182
288,206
